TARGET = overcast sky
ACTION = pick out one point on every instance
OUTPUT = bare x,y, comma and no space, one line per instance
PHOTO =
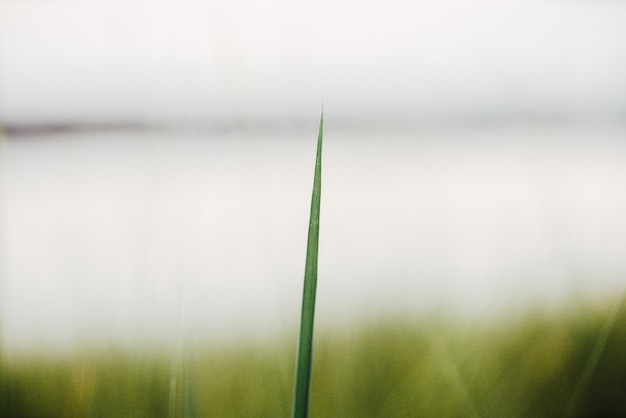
195,60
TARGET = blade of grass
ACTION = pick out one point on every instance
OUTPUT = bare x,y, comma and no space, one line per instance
594,358
303,363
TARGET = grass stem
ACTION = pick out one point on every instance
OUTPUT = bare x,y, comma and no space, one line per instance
303,363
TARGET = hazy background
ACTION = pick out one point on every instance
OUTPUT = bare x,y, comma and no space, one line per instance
157,166
249,62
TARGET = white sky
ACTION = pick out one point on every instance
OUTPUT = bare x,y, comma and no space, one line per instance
192,59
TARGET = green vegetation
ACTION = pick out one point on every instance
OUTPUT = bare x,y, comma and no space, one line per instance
305,346
525,367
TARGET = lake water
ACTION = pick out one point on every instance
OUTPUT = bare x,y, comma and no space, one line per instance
139,235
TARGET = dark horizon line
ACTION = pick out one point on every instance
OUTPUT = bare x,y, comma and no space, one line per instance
45,128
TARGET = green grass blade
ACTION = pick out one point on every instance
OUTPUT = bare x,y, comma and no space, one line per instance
303,363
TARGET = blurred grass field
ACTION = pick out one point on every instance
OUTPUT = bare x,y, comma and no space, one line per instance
543,363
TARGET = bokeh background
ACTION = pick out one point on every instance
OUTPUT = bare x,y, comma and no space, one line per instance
156,167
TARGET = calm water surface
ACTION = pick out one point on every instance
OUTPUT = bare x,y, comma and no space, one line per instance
139,235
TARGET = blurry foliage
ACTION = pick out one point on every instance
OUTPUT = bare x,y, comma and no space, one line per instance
524,367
